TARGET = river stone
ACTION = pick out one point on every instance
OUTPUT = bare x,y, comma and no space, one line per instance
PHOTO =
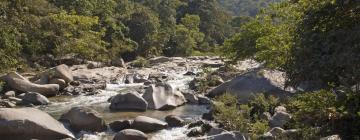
191,98
117,126
160,59
280,109
30,123
35,99
203,100
147,124
6,104
16,81
215,131
63,72
195,132
9,94
163,97
130,100
118,62
254,82
60,82
279,119
83,118
130,134
174,121
333,137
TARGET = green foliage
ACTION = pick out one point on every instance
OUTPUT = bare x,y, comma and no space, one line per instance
10,49
106,29
312,40
244,118
140,62
261,104
245,7
73,34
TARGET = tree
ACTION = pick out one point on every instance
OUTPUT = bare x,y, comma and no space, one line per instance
186,38
73,34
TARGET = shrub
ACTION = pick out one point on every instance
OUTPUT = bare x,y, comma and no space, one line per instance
140,62
243,118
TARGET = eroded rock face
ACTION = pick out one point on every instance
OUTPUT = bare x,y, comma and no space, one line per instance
130,100
130,134
251,83
30,123
63,72
163,97
147,124
83,118
16,81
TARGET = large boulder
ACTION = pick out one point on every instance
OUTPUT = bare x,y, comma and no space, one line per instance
63,72
30,123
130,100
83,118
163,97
18,82
35,99
279,119
130,134
147,124
251,83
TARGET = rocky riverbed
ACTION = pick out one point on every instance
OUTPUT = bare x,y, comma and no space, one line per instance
96,101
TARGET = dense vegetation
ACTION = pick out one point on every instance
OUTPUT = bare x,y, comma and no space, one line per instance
34,30
311,41
245,7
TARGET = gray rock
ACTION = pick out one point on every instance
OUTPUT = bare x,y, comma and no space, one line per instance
279,119
160,59
6,104
118,62
15,100
215,131
280,109
83,118
60,82
130,100
174,121
130,134
30,123
265,116
94,65
117,126
254,82
195,132
191,98
35,98
63,72
163,97
333,137
203,100
147,124
9,94
20,83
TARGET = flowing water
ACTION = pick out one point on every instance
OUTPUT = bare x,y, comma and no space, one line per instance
62,104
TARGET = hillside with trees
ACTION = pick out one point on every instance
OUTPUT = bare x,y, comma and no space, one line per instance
36,30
